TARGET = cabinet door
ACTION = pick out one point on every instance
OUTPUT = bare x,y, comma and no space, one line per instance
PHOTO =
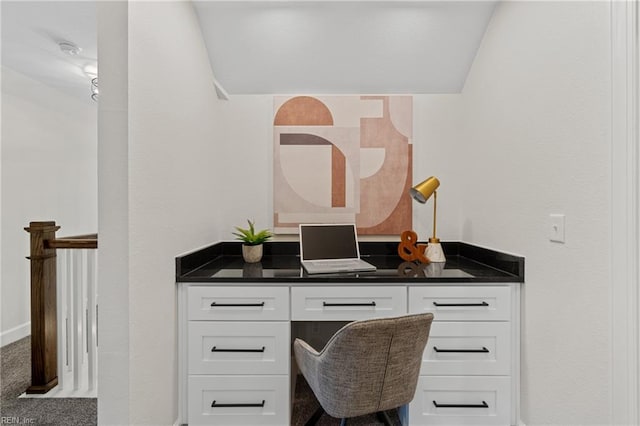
468,348
456,401
239,400
347,303
462,303
223,347
238,303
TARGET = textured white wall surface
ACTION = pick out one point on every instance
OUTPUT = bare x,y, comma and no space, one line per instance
175,187
536,140
49,163
113,215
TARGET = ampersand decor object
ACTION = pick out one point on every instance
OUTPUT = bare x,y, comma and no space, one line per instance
410,250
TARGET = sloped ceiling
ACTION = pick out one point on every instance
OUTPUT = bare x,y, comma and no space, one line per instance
31,33
286,47
276,46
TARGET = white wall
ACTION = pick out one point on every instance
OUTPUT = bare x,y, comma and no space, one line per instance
49,162
175,185
113,214
536,140
436,127
160,189
245,130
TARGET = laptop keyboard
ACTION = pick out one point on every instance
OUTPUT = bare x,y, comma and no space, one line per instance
336,263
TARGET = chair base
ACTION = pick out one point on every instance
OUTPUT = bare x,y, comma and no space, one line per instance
315,417
384,418
381,415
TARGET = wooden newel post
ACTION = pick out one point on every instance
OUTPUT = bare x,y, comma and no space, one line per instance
44,344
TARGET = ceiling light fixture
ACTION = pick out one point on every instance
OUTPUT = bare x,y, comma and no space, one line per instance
94,89
90,70
69,48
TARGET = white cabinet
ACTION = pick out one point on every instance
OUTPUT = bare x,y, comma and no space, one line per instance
237,355
469,365
235,348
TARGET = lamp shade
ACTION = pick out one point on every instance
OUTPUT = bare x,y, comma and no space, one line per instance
425,189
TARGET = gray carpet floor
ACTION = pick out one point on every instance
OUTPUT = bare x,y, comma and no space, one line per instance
15,378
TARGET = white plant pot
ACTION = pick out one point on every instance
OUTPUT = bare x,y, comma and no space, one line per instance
252,254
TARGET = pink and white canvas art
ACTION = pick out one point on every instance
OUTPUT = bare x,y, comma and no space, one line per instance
343,159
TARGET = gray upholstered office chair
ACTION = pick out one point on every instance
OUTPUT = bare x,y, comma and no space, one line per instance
367,366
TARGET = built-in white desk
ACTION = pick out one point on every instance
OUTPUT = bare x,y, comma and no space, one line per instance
235,361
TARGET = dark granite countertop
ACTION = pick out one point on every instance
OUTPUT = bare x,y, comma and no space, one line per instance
222,262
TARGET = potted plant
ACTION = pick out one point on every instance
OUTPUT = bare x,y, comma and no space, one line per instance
252,241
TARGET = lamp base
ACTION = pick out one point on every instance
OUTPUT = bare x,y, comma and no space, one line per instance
434,251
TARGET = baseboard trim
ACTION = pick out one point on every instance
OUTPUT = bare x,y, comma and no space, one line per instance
14,334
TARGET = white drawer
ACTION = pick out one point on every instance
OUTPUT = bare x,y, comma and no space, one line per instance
238,303
457,401
468,348
462,303
347,303
239,400
219,347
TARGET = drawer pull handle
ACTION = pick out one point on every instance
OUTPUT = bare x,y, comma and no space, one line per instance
216,349
349,304
216,304
483,350
215,405
461,304
483,405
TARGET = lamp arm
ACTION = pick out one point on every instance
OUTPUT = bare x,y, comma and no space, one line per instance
435,199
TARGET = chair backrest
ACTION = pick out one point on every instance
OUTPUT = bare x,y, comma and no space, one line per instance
369,366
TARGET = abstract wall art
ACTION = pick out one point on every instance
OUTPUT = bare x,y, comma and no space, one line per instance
343,159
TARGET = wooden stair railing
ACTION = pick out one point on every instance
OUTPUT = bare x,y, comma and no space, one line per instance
44,340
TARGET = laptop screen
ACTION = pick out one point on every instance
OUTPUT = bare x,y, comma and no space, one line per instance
332,241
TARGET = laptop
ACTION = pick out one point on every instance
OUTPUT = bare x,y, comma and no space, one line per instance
331,248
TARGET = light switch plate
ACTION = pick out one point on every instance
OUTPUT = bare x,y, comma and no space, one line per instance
556,228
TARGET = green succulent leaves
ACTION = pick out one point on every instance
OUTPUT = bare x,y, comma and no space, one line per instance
250,236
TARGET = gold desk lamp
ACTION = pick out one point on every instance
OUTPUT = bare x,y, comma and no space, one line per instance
421,193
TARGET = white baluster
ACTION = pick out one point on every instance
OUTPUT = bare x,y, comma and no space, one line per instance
77,322
91,309
68,287
77,318
60,320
